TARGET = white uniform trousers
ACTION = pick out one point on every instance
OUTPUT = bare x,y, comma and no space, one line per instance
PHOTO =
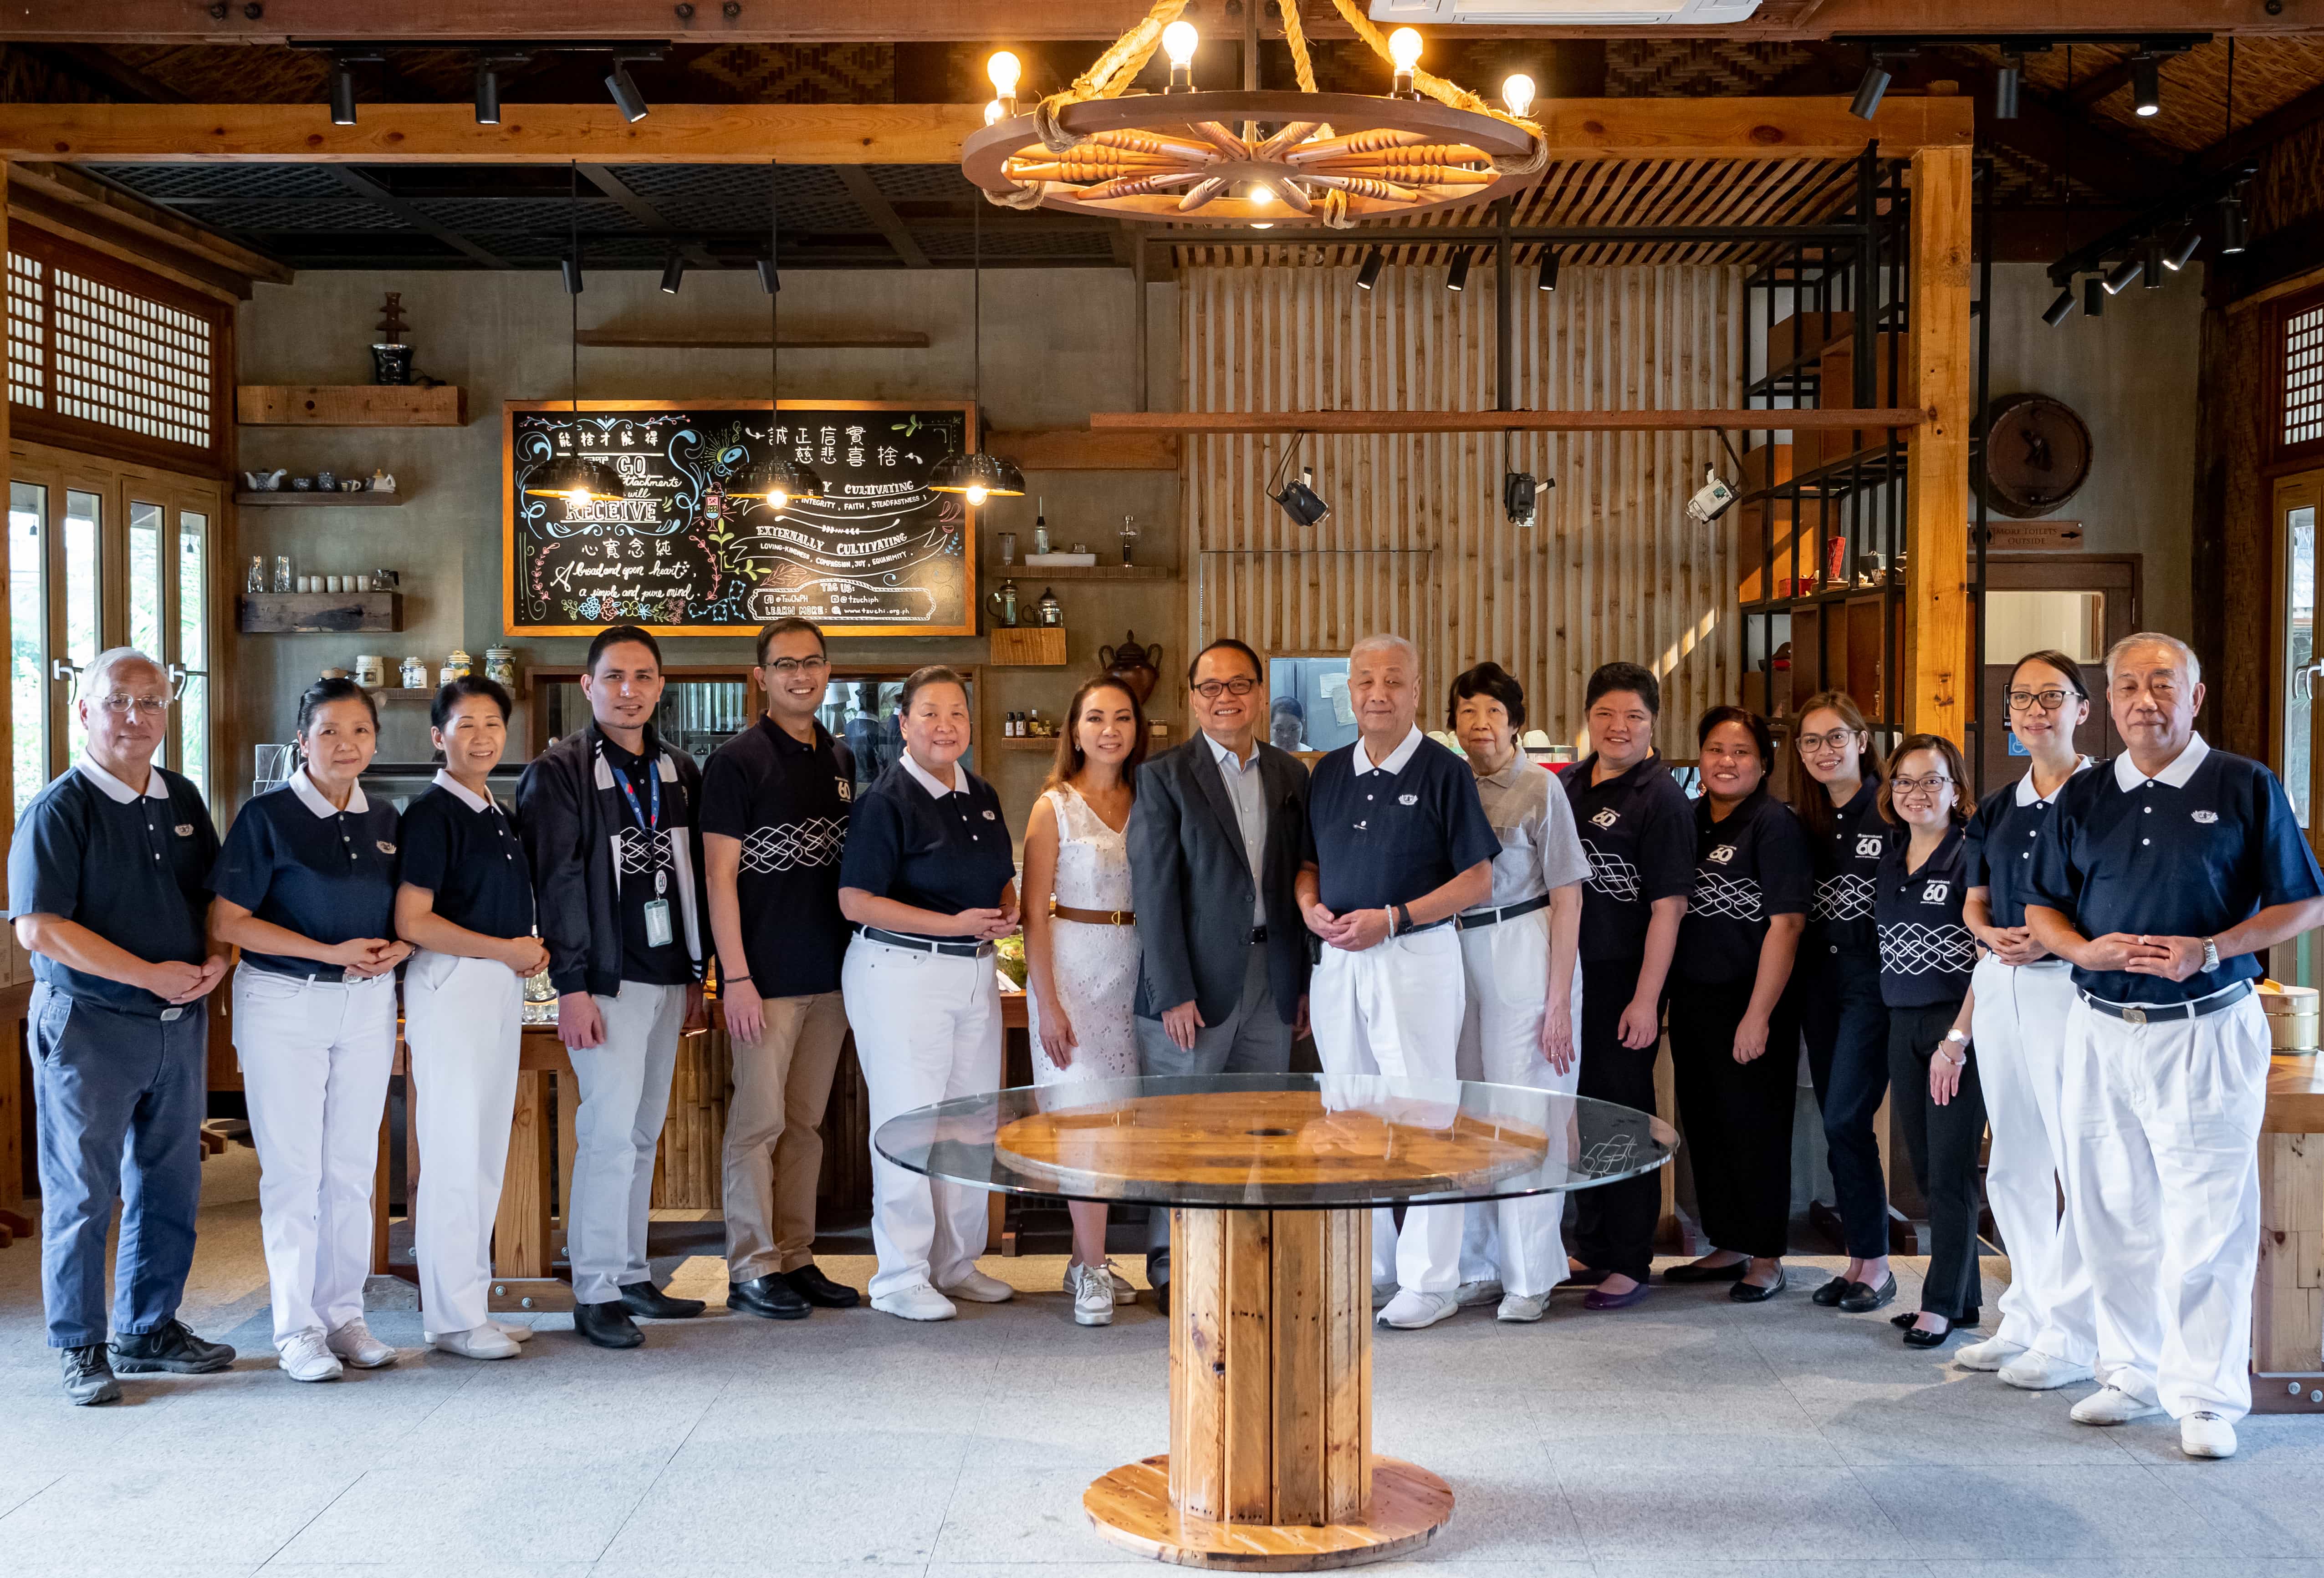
927,1029
1394,1009
315,1059
2019,1029
464,1021
624,1082
1519,1242
2163,1179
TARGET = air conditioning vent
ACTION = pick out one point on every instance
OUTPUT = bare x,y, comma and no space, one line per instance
1564,12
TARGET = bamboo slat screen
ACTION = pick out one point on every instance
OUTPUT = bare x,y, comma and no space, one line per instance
1417,542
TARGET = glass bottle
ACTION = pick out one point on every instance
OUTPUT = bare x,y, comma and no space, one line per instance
283,580
256,580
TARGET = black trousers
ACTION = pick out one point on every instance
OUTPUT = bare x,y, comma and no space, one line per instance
1847,1029
1942,1142
1614,1224
1737,1115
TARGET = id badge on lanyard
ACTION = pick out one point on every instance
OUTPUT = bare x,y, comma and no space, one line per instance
659,931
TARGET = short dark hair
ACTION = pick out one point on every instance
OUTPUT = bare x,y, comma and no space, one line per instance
1762,736
1487,679
919,679
790,624
323,691
1625,676
459,689
1226,644
614,635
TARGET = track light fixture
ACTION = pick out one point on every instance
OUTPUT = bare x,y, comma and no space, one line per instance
488,94
2150,263
2123,272
343,93
2094,296
577,480
571,267
1458,280
2060,310
2233,236
1871,90
1368,274
626,97
770,278
673,274
1300,500
2183,249
2005,79
1548,280
2146,83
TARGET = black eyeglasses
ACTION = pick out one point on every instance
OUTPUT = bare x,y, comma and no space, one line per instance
787,667
1210,689
2048,701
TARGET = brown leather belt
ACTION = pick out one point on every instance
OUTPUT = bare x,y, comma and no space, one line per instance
1093,917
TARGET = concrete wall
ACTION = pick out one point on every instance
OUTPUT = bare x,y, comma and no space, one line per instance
1058,344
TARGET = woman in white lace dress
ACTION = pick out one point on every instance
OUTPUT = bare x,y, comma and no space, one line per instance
1081,947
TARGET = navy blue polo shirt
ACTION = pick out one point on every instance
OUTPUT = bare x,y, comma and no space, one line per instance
2000,842
648,869
786,802
2203,848
1388,835
132,868
1847,865
1926,953
294,860
1752,865
944,853
465,852
1638,831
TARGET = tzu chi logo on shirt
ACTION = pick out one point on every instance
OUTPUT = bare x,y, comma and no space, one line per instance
1606,818
2206,817
384,846
1721,855
1407,800
847,788
1868,846
1934,892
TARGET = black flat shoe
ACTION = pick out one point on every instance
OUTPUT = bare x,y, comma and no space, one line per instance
1863,1299
771,1296
1162,1296
810,1284
645,1298
1746,1293
608,1325
1832,1291
1914,1337
1693,1272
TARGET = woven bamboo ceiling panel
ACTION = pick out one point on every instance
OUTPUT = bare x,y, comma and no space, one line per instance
2270,72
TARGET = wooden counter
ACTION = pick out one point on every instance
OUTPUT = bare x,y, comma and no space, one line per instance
2288,1293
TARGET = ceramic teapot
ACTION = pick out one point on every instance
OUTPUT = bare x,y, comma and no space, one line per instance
1135,666
265,482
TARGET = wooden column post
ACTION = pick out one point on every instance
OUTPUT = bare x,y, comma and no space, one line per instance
1938,665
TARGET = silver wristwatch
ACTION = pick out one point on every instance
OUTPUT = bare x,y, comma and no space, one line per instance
1958,1038
2210,953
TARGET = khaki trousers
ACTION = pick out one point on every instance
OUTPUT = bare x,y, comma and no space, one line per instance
773,1158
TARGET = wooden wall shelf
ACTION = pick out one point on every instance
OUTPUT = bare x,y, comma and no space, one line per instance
350,405
1020,573
274,613
1078,449
747,339
1156,741
1028,646
276,499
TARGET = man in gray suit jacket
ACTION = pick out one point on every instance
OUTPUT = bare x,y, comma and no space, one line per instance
1214,848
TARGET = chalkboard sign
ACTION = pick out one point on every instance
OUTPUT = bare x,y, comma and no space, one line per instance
880,554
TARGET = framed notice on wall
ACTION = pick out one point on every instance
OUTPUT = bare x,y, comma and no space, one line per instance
880,554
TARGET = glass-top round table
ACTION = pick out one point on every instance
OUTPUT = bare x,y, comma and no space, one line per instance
1270,1180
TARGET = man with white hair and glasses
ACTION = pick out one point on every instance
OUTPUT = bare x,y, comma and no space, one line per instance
2165,875
107,887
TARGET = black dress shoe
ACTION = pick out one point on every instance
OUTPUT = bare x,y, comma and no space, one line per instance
1749,1293
1832,1291
1162,1296
169,1346
645,1298
1914,1337
1691,1273
608,1325
1967,1323
1863,1297
810,1284
771,1296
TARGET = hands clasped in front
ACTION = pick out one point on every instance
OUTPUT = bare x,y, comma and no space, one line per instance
1352,933
2174,958
364,958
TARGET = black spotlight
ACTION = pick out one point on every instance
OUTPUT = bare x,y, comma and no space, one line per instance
2123,272
2060,310
673,274
2233,236
343,94
488,94
1368,275
2006,78
626,97
2146,83
1548,280
2094,295
1521,497
1869,92
2150,263
1458,280
571,267
769,280
2183,249
1299,500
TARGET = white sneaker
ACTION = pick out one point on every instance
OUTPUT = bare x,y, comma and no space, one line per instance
1381,1293
918,1302
1477,1294
1523,1306
483,1342
354,1344
979,1289
1093,1296
305,1356
2111,1405
2036,1371
515,1331
1989,1355
1123,1293
1411,1309
2207,1434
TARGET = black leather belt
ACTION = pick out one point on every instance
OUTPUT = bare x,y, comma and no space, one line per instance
925,944
2145,1013
1476,920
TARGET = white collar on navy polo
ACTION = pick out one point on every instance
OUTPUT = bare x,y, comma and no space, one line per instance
459,791
2127,777
313,798
934,785
1229,761
1395,758
2028,795
119,792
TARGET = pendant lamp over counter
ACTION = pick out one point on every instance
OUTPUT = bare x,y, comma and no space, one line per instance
574,478
778,482
975,474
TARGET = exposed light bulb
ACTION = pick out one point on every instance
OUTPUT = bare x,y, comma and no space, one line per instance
1404,48
1517,92
1260,193
577,497
777,499
975,493
1004,70
1179,40
1262,227
993,112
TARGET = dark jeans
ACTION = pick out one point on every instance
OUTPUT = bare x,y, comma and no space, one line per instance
1847,1029
1942,1142
1614,1224
1737,1115
120,1099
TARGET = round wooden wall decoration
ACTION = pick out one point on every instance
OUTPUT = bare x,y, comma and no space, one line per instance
2037,455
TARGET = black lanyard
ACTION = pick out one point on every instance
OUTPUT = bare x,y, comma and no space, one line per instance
653,794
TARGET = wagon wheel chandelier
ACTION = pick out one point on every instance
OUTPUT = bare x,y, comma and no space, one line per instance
1253,158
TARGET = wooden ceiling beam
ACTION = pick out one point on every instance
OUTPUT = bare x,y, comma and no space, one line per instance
1499,421
96,206
1605,129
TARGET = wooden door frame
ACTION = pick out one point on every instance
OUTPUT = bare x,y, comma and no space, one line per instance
2038,572
2279,657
